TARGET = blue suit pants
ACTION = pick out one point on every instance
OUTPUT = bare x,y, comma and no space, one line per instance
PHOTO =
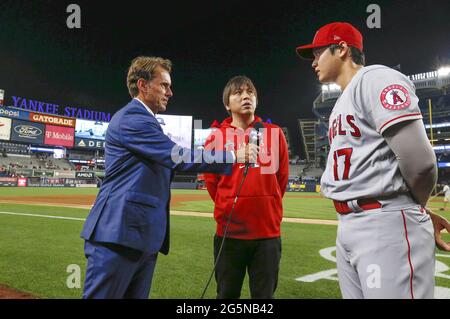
117,272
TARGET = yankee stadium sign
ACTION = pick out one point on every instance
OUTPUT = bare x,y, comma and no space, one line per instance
45,107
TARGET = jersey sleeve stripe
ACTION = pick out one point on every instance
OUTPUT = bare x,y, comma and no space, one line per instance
399,119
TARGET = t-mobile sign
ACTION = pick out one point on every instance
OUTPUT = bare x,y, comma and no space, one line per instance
59,135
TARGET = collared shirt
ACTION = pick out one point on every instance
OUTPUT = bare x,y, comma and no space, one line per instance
148,109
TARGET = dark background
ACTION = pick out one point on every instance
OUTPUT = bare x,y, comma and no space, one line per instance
208,42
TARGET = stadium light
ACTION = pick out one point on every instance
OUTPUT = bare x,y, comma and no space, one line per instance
445,147
331,87
444,71
446,124
335,87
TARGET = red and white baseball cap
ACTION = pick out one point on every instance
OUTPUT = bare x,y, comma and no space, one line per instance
332,33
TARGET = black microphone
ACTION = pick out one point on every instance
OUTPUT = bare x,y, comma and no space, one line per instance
253,138
256,128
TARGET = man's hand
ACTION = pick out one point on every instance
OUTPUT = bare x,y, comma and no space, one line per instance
247,154
439,223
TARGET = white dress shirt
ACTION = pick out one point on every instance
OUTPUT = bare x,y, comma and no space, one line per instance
148,109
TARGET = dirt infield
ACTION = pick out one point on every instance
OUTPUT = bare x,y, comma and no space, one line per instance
86,200
285,219
55,199
10,293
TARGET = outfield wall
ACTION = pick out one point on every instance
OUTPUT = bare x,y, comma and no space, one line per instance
46,182
309,187
87,179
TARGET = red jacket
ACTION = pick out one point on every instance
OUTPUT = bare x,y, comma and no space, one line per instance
259,208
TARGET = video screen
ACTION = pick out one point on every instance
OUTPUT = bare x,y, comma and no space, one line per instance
91,129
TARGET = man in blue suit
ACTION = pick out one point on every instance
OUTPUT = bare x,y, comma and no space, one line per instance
129,223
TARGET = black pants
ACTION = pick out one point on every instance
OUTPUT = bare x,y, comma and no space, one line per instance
260,257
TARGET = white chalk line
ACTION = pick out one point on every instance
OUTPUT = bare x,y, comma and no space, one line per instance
44,216
181,213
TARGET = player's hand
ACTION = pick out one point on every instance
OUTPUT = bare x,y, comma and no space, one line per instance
247,154
439,223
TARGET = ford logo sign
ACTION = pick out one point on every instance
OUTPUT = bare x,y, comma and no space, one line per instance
28,130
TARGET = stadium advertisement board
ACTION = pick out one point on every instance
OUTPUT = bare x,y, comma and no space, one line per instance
85,175
14,113
89,143
302,187
91,129
5,128
46,182
22,182
8,181
34,182
74,182
28,132
86,185
64,174
52,119
59,136
57,182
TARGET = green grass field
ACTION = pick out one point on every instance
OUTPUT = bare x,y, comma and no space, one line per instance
299,205
35,251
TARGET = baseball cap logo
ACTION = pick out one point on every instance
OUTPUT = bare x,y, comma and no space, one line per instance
336,37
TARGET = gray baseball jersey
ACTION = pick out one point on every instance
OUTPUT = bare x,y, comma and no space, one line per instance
385,252
360,163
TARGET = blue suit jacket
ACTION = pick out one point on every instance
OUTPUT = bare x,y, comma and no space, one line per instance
132,207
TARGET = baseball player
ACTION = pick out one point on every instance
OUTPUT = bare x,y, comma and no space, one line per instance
446,191
380,172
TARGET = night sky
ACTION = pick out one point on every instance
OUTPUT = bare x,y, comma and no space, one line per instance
208,43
